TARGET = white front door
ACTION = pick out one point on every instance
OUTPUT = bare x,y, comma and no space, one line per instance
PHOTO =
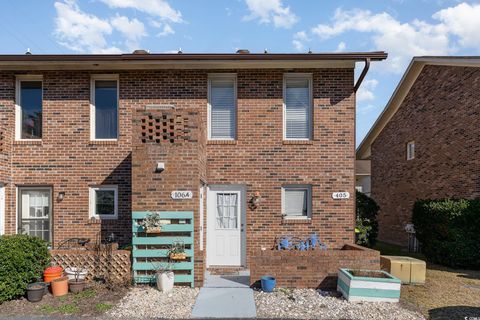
225,226
2,209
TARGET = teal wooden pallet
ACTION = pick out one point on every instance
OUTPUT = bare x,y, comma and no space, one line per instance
181,231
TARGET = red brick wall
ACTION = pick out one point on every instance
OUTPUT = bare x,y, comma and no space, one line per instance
68,161
441,114
310,269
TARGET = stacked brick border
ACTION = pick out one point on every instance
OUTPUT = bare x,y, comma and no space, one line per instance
311,269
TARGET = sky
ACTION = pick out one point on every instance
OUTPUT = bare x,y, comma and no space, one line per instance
403,28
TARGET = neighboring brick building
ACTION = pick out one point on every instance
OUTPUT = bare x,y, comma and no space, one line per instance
77,160
426,143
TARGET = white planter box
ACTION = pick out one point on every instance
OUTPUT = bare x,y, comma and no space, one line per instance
165,281
355,288
70,272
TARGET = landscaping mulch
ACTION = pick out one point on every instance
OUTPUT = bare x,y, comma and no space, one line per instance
96,300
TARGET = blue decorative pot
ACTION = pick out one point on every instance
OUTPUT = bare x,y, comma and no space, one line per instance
268,283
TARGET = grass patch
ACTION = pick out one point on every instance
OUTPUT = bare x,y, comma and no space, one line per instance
103,307
46,308
68,308
388,249
86,294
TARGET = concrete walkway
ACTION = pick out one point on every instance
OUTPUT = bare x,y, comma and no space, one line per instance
225,297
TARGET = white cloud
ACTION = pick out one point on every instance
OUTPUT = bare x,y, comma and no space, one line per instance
299,40
133,30
158,8
341,47
400,40
80,31
167,30
271,11
365,92
364,110
462,21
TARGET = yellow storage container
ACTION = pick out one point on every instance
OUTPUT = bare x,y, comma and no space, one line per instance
409,270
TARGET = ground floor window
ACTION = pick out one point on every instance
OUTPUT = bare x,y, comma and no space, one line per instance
296,201
35,211
104,202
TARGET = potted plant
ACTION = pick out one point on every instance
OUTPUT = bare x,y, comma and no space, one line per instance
152,223
59,286
177,252
164,276
77,284
35,291
76,273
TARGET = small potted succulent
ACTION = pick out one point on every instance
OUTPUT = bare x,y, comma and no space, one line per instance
177,251
35,291
164,276
77,284
152,223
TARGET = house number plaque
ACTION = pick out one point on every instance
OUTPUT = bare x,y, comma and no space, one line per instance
182,195
341,195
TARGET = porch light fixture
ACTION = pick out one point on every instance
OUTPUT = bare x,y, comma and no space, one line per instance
61,196
160,167
255,201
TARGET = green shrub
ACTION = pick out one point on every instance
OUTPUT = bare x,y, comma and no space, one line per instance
367,224
22,260
449,231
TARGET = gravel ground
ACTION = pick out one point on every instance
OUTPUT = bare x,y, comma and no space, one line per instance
148,302
313,304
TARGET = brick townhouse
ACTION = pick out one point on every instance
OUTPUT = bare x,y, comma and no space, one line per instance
426,143
260,140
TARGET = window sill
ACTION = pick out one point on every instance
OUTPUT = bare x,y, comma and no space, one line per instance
103,142
28,142
301,142
215,142
296,220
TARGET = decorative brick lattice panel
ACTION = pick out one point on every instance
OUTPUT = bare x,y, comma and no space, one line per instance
114,266
164,128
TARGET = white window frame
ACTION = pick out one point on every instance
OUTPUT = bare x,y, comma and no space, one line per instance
105,77
2,208
306,187
309,77
213,76
92,204
18,104
18,206
411,150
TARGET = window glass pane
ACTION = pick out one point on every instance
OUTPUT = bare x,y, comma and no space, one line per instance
297,109
295,202
31,109
104,202
223,113
35,212
227,211
106,113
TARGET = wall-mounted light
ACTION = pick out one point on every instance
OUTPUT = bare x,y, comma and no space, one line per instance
61,196
160,167
255,201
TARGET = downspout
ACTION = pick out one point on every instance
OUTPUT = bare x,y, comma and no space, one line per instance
362,75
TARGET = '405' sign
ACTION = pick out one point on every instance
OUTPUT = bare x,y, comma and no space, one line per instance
341,195
180,195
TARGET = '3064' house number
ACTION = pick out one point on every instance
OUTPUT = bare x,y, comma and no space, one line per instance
182,195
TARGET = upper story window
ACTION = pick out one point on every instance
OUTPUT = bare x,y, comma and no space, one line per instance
297,201
104,107
411,150
222,107
28,109
297,110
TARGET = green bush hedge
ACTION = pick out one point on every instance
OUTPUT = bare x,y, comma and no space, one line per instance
22,260
367,224
449,231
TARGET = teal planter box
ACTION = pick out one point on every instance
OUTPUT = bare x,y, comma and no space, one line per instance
368,285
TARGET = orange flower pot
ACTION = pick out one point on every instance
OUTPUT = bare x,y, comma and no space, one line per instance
60,286
52,273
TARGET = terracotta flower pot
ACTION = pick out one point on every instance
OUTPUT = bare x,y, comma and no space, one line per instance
76,286
154,230
60,287
178,256
52,273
